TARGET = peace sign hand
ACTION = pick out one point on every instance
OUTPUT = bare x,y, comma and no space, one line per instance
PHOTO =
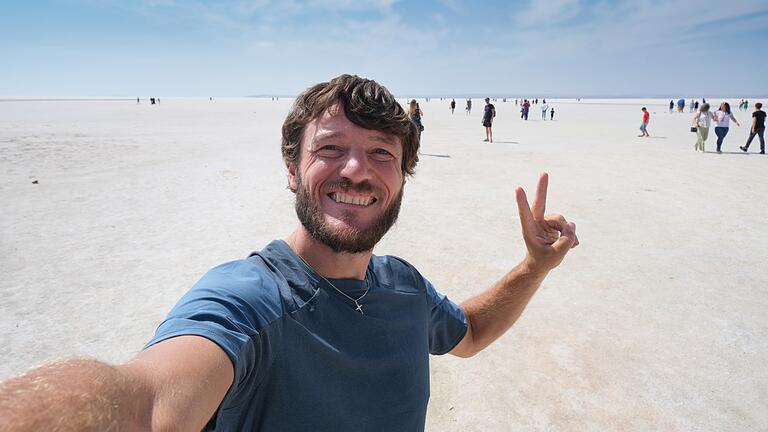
547,237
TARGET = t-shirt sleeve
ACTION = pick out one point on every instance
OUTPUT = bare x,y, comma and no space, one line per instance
447,322
228,306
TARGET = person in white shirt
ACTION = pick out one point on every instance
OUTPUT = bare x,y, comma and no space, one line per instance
701,121
722,117
544,108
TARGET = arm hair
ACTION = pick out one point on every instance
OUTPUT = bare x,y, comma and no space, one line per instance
75,394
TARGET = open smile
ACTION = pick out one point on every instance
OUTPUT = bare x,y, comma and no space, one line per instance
361,200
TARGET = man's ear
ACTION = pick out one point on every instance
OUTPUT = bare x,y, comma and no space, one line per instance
293,182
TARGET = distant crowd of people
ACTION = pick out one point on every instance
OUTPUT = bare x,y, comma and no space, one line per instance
489,112
703,119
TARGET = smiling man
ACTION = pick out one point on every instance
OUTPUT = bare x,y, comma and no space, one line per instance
313,332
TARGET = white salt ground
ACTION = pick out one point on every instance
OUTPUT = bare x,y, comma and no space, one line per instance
656,322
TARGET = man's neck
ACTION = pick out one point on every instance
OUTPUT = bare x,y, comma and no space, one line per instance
324,260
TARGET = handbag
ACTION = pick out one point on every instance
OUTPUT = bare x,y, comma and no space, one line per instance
693,128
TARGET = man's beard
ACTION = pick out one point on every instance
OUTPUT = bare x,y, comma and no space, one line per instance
348,239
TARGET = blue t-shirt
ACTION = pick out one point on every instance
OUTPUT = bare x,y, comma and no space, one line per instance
304,358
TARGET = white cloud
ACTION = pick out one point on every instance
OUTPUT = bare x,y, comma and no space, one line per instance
353,4
546,12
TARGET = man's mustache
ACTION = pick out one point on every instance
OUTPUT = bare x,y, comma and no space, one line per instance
347,185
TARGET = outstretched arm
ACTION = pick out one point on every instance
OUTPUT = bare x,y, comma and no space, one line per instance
175,385
548,239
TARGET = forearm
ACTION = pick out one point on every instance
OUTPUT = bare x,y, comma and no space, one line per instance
492,312
78,394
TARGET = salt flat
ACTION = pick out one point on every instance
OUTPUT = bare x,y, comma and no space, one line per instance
656,322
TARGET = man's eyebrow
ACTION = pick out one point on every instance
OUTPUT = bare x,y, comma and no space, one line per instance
328,136
340,135
385,140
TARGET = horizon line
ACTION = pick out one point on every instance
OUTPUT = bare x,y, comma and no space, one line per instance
417,96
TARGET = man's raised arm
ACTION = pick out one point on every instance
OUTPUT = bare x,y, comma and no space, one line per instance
175,385
548,239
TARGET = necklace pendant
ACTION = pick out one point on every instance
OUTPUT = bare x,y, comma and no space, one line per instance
359,308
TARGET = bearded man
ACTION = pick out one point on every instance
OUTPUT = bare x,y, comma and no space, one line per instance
313,332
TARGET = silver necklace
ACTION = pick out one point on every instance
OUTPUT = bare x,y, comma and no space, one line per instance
356,301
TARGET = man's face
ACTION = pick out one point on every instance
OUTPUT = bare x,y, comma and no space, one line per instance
348,182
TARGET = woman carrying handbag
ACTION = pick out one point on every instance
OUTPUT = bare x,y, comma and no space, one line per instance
701,122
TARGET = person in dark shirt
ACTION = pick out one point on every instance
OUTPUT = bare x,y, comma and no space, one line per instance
488,114
758,128
453,105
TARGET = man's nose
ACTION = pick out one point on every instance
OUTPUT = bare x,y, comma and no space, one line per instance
356,167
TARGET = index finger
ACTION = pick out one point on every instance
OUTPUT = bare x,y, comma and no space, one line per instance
540,203
526,217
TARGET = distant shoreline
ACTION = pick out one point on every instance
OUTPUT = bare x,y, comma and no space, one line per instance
66,99
588,99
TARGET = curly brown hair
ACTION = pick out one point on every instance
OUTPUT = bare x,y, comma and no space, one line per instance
366,103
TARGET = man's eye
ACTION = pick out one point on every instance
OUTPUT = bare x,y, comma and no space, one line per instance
329,150
382,152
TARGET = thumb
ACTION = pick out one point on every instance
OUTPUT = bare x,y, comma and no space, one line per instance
567,240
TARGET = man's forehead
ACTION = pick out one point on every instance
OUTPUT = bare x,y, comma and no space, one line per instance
334,125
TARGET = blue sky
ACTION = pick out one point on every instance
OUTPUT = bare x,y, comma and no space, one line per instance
64,48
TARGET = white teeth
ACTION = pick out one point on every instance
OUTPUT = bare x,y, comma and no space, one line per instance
350,199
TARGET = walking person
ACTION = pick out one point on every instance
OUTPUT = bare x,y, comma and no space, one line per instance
469,106
758,128
701,121
552,113
544,108
722,117
489,113
671,106
526,109
415,113
453,105
644,124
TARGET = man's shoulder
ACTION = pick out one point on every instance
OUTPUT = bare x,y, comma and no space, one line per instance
241,271
396,271
244,282
238,294
392,262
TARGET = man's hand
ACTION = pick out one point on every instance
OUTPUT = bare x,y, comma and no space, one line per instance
548,238
493,311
